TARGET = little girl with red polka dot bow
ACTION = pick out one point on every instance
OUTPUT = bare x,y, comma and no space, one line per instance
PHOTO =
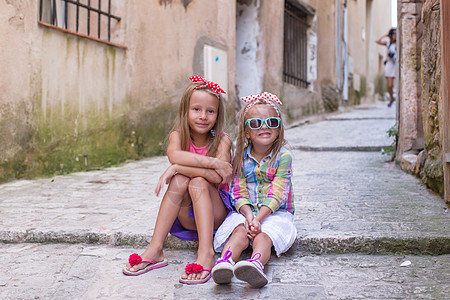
197,200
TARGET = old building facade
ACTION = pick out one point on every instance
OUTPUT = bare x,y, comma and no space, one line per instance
89,86
334,61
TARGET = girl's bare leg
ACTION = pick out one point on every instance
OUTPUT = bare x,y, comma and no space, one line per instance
237,243
209,212
390,88
262,244
168,211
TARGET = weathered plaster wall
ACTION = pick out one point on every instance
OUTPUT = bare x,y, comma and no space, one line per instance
15,112
325,28
272,28
166,44
357,32
69,103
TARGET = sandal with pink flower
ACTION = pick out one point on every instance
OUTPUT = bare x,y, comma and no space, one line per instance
136,259
194,269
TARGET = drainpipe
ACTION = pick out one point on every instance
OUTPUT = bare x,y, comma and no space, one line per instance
345,54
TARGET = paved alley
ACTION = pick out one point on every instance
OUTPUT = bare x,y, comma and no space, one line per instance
366,229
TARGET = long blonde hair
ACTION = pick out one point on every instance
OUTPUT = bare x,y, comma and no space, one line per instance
243,142
182,120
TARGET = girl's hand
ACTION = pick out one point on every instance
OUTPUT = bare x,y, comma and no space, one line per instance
224,169
248,220
255,225
247,212
254,229
165,178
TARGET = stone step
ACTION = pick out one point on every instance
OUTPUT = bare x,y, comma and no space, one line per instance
419,245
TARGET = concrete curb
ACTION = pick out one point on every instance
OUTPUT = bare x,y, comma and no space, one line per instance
340,149
359,119
437,245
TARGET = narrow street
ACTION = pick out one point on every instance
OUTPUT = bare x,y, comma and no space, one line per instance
366,229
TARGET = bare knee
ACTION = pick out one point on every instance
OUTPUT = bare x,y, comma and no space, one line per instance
178,187
263,239
180,181
198,186
240,236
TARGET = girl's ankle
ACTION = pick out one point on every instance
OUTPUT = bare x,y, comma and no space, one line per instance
153,254
205,253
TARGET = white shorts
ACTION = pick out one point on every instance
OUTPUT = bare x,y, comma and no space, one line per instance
279,226
390,69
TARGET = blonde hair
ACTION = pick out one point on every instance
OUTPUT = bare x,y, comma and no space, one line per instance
243,142
182,121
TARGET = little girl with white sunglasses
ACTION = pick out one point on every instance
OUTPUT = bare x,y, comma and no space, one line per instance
261,193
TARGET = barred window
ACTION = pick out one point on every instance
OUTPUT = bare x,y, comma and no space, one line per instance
91,18
295,45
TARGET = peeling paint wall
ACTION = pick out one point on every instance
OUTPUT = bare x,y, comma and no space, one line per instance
312,57
249,49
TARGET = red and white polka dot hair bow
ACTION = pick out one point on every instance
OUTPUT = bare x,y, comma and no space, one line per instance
262,98
212,85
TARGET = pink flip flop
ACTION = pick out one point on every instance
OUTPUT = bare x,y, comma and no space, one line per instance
136,259
195,268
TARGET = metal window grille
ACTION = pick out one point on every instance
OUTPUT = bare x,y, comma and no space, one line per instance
295,46
79,16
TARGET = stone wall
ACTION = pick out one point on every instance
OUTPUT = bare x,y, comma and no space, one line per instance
419,148
409,53
431,171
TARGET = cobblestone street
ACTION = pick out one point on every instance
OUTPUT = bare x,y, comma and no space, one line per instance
366,229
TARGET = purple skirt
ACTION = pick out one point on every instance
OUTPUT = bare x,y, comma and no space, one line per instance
191,235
